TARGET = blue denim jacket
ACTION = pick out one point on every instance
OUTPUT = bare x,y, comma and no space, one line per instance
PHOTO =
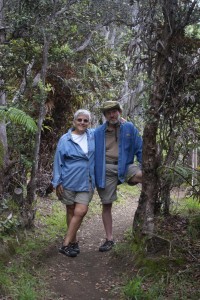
130,145
72,167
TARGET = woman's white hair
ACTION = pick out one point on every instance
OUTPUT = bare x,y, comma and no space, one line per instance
84,112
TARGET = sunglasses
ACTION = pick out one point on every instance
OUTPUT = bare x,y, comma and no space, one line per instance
82,120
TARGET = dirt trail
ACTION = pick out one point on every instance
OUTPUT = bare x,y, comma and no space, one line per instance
92,274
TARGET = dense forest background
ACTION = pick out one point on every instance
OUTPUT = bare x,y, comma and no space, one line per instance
58,56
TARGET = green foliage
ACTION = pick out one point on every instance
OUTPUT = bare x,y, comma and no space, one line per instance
95,206
9,225
194,226
21,282
20,279
134,290
156,275
193,31
127,189
188,206
5,280
56,223
103,75
58,53
176,174
9,222
20,118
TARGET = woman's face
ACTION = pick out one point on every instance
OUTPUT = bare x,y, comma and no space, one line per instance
81,123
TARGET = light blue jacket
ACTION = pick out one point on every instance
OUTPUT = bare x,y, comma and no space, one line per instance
130,145
72,167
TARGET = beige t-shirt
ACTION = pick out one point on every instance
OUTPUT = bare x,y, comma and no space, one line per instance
112,143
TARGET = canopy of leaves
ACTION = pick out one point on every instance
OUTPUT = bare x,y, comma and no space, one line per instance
99,50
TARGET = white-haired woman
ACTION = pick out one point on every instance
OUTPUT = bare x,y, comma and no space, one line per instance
73,176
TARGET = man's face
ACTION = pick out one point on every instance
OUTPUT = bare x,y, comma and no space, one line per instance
112,116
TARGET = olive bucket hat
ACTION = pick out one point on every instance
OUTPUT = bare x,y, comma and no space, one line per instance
108,105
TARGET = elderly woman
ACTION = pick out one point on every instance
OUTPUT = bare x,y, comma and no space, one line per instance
73,176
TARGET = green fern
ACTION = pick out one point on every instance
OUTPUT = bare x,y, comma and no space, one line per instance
18,117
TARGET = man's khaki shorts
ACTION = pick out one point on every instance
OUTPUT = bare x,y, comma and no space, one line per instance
69,197
109,193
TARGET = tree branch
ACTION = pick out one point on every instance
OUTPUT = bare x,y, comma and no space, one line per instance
65,8
24,81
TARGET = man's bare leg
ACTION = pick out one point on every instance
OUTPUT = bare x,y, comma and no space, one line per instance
107,220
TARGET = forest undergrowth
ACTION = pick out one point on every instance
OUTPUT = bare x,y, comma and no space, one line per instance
167,266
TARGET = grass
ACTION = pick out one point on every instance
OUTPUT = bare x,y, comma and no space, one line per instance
95,206
158,275
23,284
126,189
20,280
19,276
188,206
135,290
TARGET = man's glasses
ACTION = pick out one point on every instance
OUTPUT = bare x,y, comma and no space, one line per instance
82,120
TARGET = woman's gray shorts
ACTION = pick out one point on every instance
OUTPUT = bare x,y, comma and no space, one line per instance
109,193
70,197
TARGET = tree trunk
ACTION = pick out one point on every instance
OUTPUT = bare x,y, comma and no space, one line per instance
30,210
3,134
165,198
162,90
144,216
194,166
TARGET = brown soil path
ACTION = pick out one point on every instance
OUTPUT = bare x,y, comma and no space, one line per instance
92,274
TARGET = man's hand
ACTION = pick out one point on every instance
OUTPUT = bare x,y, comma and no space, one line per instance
59,191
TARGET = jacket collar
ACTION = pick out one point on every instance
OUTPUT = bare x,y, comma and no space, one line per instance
69,133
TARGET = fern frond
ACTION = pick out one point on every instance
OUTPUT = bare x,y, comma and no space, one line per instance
19,117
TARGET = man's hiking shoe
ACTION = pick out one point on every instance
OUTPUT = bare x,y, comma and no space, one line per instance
106,246
68,251
75,247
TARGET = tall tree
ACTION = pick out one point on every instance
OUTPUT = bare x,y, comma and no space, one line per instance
173,62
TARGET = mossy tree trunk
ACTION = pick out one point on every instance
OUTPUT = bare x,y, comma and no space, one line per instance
30,204
3,134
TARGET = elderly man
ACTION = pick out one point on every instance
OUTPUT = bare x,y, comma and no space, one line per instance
117,142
